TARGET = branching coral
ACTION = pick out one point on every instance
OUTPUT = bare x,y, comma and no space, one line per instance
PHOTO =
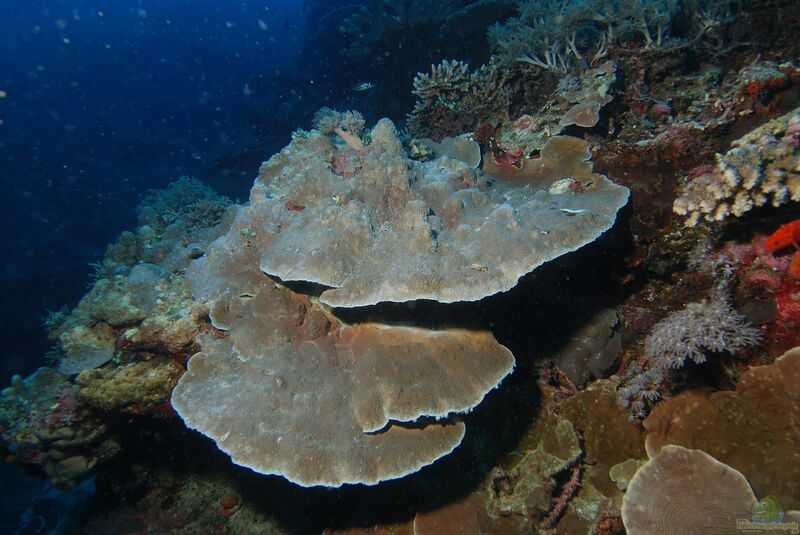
763,167
347,125
559,35
452,100
188,200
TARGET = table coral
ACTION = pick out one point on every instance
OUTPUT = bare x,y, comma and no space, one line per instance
288,389
400,230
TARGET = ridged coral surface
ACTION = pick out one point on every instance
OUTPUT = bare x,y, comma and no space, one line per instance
683,491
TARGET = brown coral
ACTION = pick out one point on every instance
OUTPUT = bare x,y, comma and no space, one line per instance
293,391
755,428
683,491
328,411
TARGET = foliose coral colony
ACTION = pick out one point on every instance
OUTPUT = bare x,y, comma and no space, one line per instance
268,326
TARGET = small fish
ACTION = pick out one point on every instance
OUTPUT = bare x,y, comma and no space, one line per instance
571,212
479,267
294,206
363,86
786,236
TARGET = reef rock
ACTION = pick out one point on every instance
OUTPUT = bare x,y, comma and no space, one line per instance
399,230
286,388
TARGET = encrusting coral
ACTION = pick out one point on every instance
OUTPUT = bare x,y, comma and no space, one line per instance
452,100
399,230
577,100
763,167
136,388
41,422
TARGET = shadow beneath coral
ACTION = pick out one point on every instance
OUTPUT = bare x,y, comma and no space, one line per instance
533,320
148,486
536,316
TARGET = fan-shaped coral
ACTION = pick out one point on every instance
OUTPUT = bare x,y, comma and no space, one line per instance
685,491
399,230
291,390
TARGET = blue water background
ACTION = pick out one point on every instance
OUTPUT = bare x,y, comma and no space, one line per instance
105,100
102,100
